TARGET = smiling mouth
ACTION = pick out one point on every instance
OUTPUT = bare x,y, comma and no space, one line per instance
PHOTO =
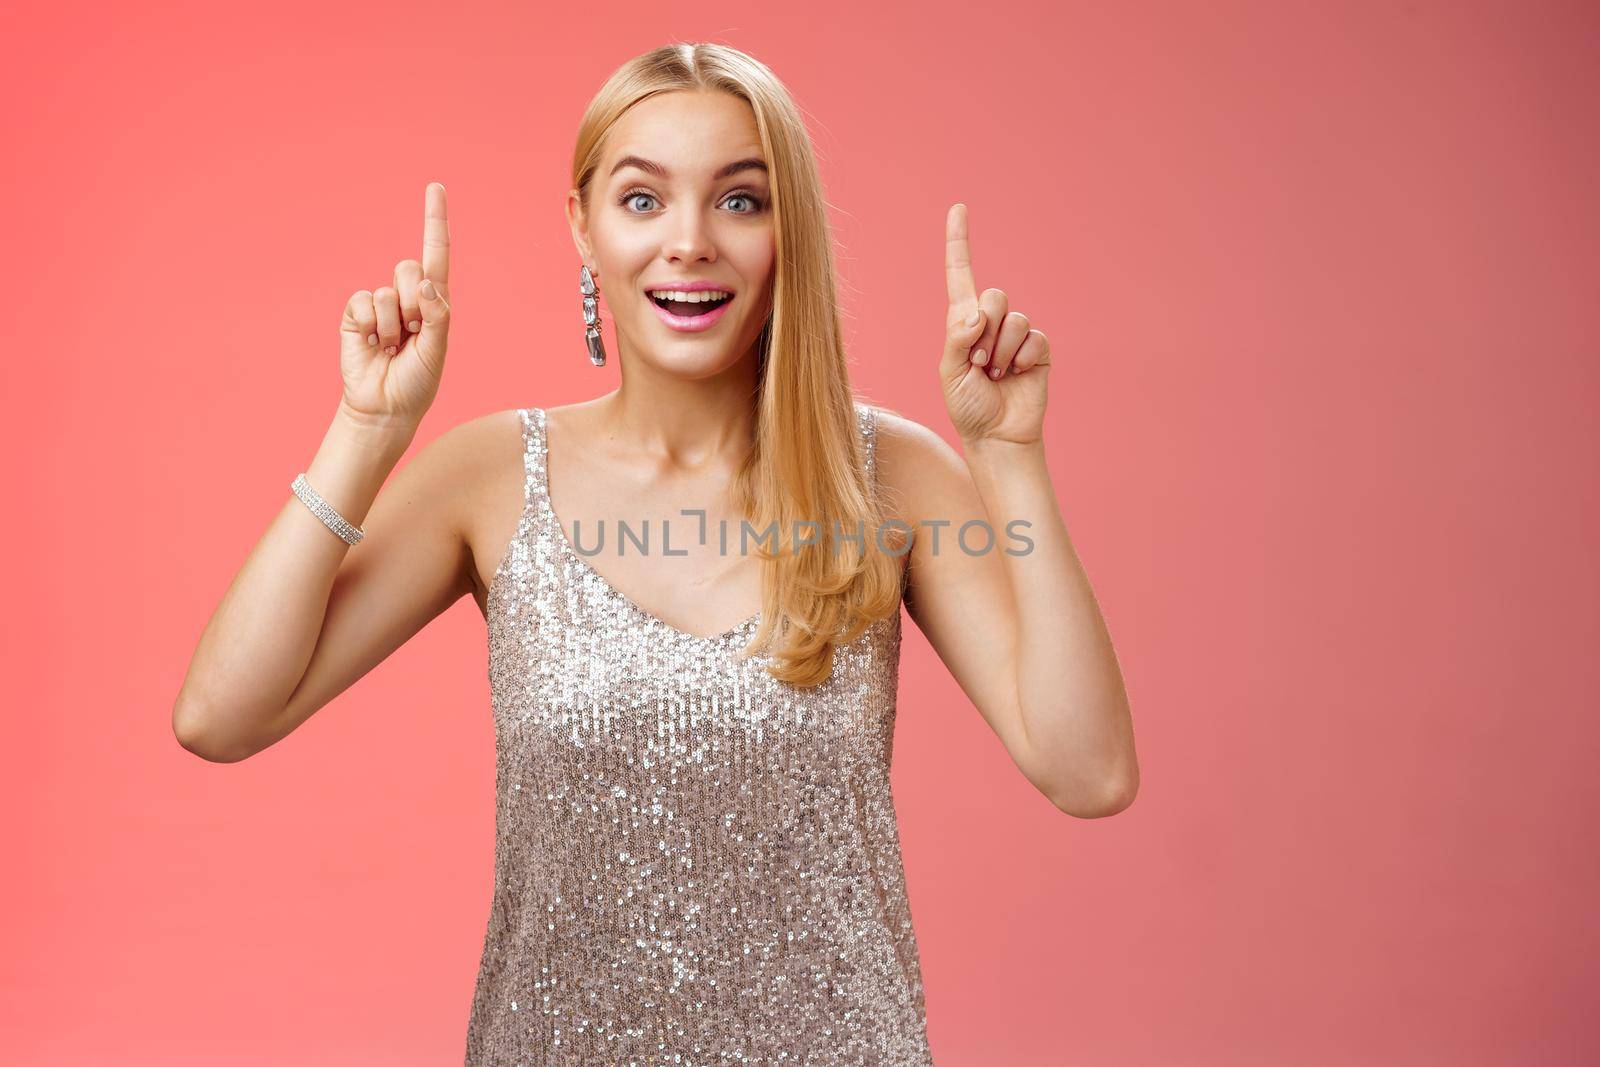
689,309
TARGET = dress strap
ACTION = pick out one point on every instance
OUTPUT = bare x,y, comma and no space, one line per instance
867,421
534,483
535,456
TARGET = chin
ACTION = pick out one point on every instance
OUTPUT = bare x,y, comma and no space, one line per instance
696,365
691,355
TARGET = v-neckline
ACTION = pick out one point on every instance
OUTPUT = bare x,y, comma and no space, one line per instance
570,552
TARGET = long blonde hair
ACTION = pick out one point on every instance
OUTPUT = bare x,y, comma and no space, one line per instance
806,465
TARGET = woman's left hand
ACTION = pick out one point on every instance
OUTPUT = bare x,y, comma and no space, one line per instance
994,365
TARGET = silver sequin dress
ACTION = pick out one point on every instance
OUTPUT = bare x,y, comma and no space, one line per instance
694,862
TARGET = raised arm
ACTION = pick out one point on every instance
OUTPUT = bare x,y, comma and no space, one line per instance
1013,617
307,613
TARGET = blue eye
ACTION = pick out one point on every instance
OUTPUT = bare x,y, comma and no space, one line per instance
757,204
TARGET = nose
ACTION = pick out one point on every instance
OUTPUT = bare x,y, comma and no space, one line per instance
690,240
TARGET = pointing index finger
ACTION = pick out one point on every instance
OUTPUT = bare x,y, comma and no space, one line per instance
436,237
958,258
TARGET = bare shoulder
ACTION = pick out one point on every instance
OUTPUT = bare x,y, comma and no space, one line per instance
465,443
474,470
918,470
471,452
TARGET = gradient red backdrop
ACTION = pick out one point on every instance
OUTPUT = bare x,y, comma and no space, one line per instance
1322,289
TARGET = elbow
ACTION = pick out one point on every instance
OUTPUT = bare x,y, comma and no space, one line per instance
1111,798
190,727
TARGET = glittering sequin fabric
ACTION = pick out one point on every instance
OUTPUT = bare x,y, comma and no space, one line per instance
694,862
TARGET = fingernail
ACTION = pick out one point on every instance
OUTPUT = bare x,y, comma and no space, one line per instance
372,338
995,372
972,319
979,358
413,326
390,349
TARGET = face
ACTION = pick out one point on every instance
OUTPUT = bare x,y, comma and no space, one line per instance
696,218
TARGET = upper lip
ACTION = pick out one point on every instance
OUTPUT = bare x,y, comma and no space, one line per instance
687,287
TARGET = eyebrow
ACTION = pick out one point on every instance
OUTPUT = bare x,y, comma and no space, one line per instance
661,172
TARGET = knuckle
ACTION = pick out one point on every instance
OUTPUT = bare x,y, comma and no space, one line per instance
385,292
408,265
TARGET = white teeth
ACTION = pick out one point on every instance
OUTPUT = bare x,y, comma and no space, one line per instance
689,298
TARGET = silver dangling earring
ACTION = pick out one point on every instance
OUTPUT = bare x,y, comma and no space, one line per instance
591,316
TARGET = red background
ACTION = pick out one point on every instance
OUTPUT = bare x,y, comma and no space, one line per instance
1321,285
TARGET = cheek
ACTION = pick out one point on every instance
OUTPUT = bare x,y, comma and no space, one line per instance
621,252
754,258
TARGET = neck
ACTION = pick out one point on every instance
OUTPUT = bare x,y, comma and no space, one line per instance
683,423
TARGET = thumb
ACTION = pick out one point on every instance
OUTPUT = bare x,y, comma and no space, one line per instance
959,337
431,339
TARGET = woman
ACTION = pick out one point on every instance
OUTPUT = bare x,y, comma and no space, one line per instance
697,858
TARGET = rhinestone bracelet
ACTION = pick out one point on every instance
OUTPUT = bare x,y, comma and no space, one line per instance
322,510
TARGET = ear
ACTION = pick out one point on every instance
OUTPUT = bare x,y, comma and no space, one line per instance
578,219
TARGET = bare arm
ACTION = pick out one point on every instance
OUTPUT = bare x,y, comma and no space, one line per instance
307,614
1012,614
1018,624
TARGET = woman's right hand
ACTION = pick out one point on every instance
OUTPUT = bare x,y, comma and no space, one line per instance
392,339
